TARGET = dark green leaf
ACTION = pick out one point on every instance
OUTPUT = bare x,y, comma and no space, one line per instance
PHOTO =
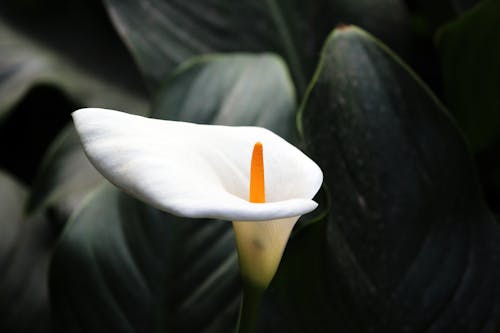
231,90
80,33
25,245
297,300
410,245
13,197
36,81
124,267
429,15
64,178
162,33
470,53
24,63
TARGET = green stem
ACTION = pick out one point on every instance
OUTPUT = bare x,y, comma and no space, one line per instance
250,307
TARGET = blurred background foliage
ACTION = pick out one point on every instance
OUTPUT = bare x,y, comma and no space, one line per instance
404,239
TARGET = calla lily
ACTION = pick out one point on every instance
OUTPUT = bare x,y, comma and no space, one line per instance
196,171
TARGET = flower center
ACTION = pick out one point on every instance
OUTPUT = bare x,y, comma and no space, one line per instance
257,190
260,244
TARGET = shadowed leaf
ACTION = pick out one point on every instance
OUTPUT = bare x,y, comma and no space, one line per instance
64,178
410,245
163,33
470,49
25,63
124,267
25,248
240,89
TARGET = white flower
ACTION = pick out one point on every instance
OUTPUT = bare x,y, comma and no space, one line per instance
196,171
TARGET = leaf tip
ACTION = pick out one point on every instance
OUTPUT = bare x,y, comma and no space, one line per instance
343,26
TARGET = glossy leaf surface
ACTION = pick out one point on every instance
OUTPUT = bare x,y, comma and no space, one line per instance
124,267
230,90
410,244
162,33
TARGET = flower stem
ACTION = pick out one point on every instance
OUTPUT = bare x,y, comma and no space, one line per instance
250,307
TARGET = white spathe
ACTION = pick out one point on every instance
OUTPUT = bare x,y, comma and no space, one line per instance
196,171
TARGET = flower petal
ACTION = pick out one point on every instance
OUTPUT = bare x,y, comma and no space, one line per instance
197,170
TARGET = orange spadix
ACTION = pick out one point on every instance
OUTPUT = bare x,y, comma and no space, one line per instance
257,190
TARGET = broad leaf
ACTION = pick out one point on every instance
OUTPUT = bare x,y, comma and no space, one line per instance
81,33
39,71
24,63
25,245
298,300
123,266
430,15
162,33
410,245
240,89
13,197
470,49
65,177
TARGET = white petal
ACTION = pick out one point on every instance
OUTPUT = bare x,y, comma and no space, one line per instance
197,170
